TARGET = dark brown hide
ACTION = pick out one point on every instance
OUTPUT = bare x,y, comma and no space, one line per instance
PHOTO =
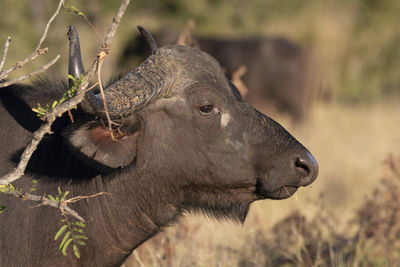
197,147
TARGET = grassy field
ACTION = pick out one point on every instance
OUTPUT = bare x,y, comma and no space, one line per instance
351,144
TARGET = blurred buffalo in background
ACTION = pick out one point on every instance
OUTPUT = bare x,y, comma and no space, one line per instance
272,73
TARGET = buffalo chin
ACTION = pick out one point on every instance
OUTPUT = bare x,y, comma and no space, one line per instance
283,192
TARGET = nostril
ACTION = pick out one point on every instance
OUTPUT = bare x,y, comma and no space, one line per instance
307,167
302,167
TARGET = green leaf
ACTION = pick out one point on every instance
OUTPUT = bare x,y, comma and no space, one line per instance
65,247
51,197
66,237
79,242
60,232
76,251
80,237
72,8
4,188
64,195
80,224
2,208
54,104
78,230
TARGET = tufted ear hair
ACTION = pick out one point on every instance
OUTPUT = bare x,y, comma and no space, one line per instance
116,150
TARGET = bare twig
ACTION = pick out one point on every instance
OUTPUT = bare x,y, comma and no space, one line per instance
38,51
70,104
105,48
46,29
75,199
44,201
19,64
5,51
116,20
25,76
100,64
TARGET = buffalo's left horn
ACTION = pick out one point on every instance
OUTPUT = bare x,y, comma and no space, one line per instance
76,69
75,65
136,89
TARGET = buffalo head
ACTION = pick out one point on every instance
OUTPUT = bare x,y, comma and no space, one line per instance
178,118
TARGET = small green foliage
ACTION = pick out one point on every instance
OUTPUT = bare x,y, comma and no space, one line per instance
72,232
70,93
76,251
65,246
6,188
71,8
73,235
60,196
61,231
33,187
41,111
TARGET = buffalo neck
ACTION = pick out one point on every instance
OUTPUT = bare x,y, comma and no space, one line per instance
137,203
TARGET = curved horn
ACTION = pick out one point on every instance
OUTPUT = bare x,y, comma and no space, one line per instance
136,89
149,38
75,65
91,103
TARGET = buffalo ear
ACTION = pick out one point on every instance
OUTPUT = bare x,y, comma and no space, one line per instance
97,143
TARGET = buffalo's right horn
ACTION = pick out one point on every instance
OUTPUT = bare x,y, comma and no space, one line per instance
75,65
149,39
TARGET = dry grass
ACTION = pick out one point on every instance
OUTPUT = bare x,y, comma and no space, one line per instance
343,219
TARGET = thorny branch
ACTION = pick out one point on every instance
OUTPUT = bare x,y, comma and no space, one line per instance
19,171
70,104
38,51
44,201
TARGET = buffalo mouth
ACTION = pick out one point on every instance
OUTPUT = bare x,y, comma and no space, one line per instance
281,192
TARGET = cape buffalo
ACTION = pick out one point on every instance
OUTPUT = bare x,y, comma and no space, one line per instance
277,70
183,141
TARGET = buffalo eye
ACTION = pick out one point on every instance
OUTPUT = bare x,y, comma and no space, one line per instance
206,109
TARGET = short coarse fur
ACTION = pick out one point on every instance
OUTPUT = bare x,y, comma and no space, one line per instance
168,158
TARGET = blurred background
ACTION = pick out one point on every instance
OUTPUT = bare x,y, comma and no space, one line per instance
328,70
